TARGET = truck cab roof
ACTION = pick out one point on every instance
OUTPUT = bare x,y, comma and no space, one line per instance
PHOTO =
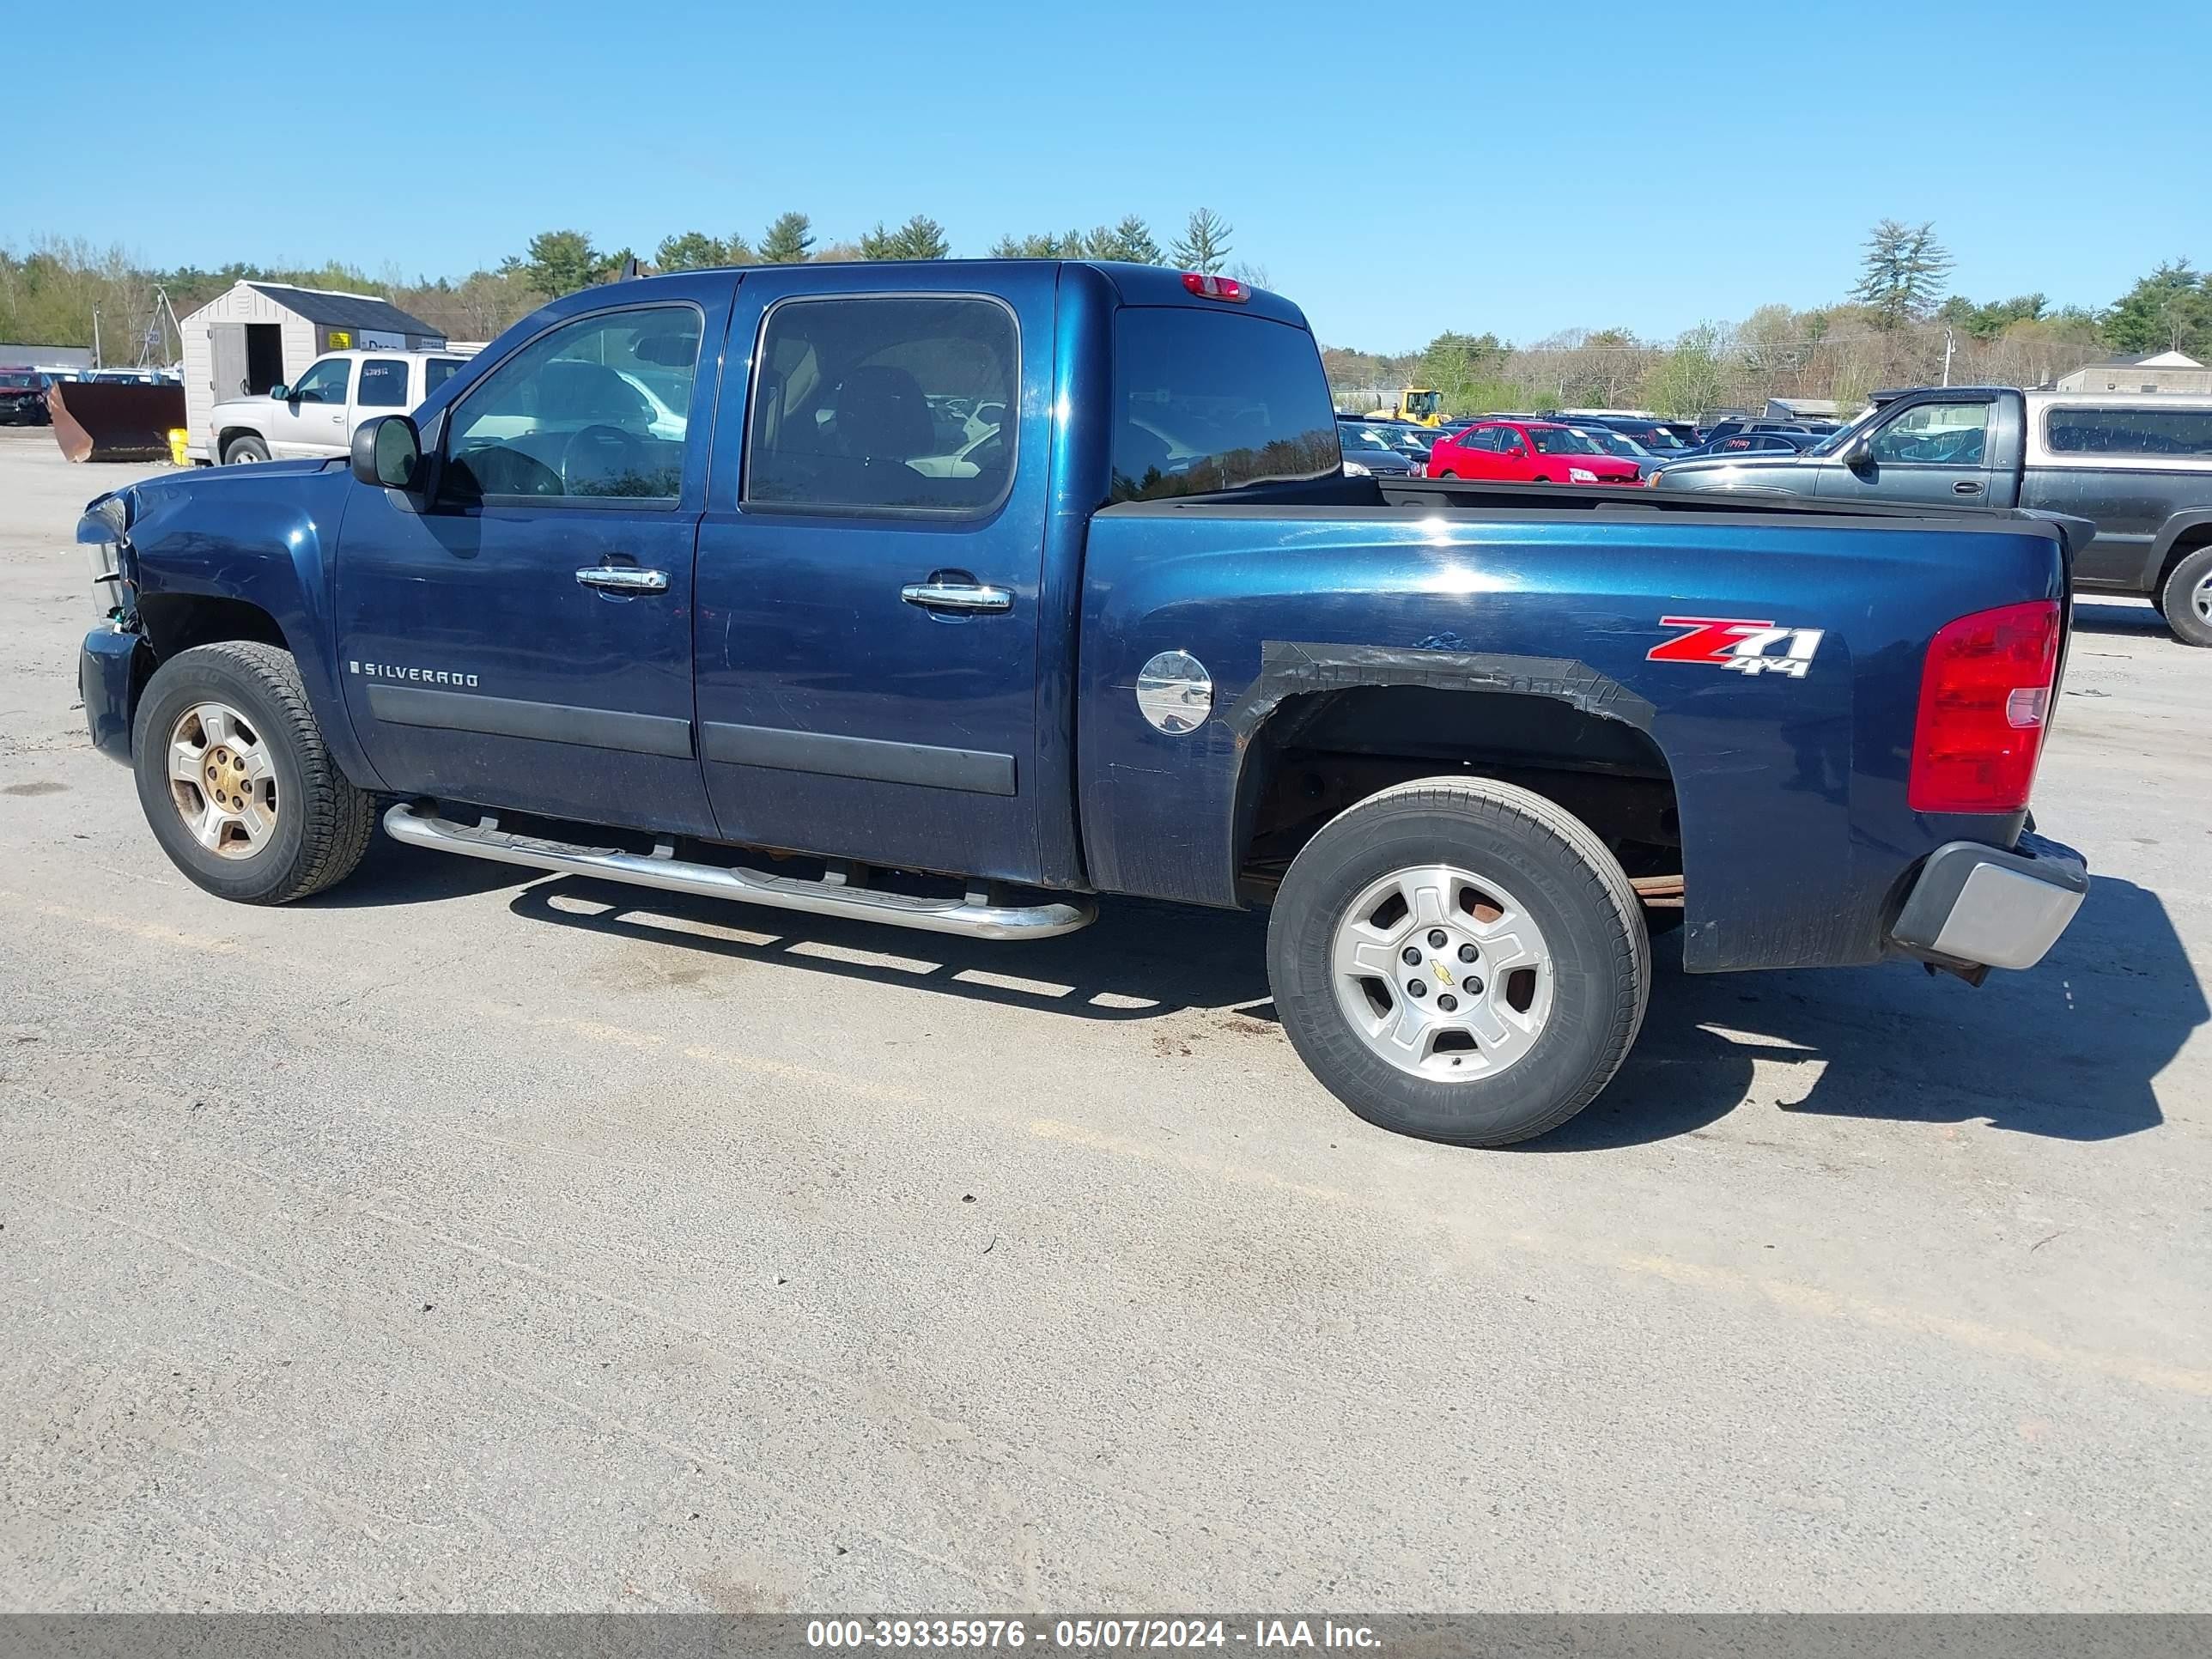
1134,284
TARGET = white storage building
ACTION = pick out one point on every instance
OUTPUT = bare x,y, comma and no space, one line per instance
262,334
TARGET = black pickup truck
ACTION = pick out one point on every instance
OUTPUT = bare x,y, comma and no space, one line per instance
2138,466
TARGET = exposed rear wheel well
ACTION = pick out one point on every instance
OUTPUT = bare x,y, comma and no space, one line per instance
1320,753
177,622
2197,535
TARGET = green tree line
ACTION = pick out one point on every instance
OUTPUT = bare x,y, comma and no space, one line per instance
50,293
1896,324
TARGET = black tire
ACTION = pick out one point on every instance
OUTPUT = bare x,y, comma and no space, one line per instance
322,823
1570,884
244,449
2177,598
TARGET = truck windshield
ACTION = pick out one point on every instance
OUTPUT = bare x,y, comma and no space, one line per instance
1834,442
1215,399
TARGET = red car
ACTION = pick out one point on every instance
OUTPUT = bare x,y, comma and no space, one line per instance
1528,452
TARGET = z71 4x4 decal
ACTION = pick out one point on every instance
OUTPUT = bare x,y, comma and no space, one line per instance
1738,643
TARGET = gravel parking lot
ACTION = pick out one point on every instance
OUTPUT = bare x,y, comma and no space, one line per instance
464,1240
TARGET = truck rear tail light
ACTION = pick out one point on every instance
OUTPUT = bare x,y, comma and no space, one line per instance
1985,696
1216,287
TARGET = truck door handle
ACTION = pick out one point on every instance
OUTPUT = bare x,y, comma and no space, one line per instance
956,596
1965,487
623,579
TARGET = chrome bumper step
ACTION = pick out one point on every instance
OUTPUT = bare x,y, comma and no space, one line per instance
421,826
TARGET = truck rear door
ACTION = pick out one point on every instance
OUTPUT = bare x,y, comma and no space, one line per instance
870,563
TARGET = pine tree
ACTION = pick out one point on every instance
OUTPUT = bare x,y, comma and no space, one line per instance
787,241
560,262
1902,273
1204,244
691,250
921,238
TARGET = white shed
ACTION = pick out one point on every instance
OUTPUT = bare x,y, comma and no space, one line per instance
261,334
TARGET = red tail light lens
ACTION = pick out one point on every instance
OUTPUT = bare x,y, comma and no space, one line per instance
1984,695
1216,287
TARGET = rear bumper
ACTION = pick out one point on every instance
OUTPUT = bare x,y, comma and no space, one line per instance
106,675
1989,908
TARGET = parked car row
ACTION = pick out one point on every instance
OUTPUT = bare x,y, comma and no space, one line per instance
1645,443
23,398
2139,467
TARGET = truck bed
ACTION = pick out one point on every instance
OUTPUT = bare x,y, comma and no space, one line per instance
1461,498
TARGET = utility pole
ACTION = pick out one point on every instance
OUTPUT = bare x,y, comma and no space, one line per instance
95,337
1950,345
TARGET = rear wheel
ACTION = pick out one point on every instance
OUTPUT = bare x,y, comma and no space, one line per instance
239,452
1460,959
235,780
2185,598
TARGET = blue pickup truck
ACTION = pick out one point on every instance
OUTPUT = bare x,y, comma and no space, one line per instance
973,591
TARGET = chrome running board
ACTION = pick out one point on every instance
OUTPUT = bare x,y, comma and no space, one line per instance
973,916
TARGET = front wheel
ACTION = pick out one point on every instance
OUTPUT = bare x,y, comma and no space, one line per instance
1460,959
236,782
243,452
2185,598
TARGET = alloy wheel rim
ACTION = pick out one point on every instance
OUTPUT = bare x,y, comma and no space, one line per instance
222,780
1442,973
2202,597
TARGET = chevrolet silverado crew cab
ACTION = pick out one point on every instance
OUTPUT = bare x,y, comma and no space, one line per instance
970,591
2138,466
317,418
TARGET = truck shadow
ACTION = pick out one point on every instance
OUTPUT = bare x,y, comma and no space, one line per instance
2069,1051
1139,960
395,873
2140,621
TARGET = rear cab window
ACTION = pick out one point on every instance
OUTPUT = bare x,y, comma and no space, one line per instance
383,383
1215,399
2165,434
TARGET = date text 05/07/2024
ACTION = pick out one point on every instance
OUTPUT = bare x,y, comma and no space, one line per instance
1088,1635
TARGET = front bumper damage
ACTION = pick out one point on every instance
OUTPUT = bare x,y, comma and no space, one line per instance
1973,906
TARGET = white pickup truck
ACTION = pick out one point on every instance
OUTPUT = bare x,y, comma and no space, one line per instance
316,417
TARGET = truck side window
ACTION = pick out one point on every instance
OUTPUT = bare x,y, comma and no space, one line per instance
597,408
325,383
885,403
2170,432
1213,399
1935,434
383,383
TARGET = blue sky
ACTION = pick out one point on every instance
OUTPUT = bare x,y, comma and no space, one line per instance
1528,169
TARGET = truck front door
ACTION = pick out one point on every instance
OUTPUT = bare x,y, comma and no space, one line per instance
523,638
1934,450
870,567
312,420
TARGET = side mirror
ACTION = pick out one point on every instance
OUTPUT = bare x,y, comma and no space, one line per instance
1860,455
280,392
387,452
